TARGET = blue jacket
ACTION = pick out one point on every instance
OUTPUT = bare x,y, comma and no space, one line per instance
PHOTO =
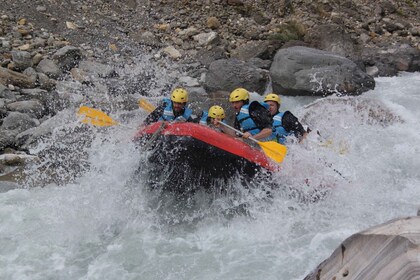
168,113
280,132
247,123
204,117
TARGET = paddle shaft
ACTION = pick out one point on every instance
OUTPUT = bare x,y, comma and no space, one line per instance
238,131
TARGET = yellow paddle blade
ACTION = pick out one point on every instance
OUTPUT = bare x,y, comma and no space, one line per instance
274,150
95,117
143,103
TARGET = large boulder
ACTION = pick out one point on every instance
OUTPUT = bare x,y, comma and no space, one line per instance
306,71
228,74
387,251
15,78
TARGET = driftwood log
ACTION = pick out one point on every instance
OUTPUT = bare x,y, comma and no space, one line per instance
387,251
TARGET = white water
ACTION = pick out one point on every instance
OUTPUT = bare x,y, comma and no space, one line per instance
106,226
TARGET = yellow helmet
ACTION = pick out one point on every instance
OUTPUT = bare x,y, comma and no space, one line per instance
273,97
179,95
216,112
238,95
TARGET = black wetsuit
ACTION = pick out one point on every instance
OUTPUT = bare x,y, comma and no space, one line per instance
292,124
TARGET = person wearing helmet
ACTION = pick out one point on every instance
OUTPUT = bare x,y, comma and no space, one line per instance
172,109
213,117
284,123
252,118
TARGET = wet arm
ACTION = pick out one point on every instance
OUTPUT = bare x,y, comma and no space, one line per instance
155,115
263,134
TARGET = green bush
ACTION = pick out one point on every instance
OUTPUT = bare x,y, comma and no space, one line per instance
288,32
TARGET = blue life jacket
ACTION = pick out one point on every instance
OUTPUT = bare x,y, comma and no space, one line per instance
279,130
204,117
247,123
168,113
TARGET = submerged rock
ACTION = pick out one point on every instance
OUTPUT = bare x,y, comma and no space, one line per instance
386,251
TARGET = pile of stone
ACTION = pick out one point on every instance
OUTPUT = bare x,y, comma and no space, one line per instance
34,63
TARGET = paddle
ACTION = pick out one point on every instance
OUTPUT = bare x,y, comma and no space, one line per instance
99,118
146,105
143,103
273,150
95,117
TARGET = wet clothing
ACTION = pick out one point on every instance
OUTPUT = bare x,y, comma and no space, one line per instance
280,132
165,112
286,124
253,118
170,115
204,120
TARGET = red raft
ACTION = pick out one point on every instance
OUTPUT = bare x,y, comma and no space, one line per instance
188,155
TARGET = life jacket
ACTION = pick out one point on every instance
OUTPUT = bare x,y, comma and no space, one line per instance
168,113
279,130
204,117
247,123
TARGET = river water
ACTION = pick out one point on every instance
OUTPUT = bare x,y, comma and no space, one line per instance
102,223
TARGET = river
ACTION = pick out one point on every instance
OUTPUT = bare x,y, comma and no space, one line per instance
104,224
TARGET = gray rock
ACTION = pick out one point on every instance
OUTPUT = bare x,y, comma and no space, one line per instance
28,137
189,82
96,69
31,73
332,38
252,49
49,68
260,63
19,121
7,138
172,52
37,58
45,82
32,107
67,57
228,74
208,56
307,71
35,93
145,38
389,61
39,43
372,71
22,59
6,93
387,251
205,39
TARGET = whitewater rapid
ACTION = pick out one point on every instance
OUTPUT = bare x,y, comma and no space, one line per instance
104,224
